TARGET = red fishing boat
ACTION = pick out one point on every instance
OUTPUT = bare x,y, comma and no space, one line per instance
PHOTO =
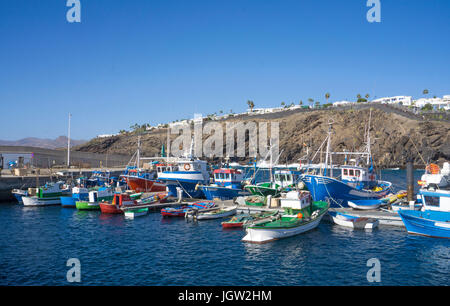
118,201
143,181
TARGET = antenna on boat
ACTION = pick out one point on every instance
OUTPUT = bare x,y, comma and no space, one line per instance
68,143
138,158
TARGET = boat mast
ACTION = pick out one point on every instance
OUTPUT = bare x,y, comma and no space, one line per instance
368,138
68,143
328,148
138,159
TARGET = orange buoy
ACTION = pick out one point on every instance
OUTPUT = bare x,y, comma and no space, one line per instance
299,215
432,168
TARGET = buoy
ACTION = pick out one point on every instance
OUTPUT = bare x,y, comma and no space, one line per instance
299,215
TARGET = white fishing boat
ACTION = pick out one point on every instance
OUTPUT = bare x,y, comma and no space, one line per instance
365,204
287,225
47,195
353,221
133,213
216,214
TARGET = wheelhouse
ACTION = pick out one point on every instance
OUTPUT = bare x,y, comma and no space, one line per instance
227,177
286,177
438,200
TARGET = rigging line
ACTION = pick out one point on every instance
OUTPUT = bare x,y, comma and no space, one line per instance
410,139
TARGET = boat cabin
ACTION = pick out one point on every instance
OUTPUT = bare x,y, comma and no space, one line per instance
358,177
228,177
123,199
295,199
438,200
187,168
285,178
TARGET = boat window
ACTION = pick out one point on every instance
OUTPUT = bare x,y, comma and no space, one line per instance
357,173
432,201
288,177
345,172
222,176
227,175
216,176
350,172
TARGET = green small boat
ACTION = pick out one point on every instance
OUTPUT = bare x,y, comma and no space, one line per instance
85,205
255,200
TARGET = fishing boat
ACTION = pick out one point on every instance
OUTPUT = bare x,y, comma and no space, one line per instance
351,221
227,185
184,173
95,197
78,194
244,220
119,201
429,223
293,222
214,214
141,180
181,210
365,204
133,213
49,194
282,180
434,177
355,182
19,193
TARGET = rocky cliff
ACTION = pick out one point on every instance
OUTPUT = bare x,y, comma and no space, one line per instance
392,135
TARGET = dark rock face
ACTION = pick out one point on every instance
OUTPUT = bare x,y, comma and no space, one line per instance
393,135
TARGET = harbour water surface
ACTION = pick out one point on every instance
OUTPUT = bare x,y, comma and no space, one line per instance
36,243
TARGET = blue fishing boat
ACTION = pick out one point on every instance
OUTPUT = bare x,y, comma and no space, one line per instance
427,223
354,182
19,193
78,194
227,185
184,173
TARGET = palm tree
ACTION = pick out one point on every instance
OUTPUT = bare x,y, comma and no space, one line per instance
283,104
367,97
358,96
317,104
300,103
251,105
311,101
327,96
425,92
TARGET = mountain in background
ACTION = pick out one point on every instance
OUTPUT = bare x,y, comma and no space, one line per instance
60,142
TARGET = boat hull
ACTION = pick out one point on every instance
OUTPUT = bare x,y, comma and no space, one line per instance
108,208
84,205
145,185
324,188
131,214
262,190
35,201
353,222
427,223
210,216
257,235
222,193
365,204
189,188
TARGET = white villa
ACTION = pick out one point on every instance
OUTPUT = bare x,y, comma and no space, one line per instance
437,103
403,100
342,103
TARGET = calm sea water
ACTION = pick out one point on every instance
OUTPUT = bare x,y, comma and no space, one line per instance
35,244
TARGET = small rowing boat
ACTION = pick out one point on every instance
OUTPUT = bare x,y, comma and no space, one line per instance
353,221
180,211
244,220
133,213
214,214
365,204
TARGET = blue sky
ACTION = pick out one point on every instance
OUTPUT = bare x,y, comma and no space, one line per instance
131,61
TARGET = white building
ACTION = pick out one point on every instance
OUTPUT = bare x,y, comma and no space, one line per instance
403,100
342,103
436,103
